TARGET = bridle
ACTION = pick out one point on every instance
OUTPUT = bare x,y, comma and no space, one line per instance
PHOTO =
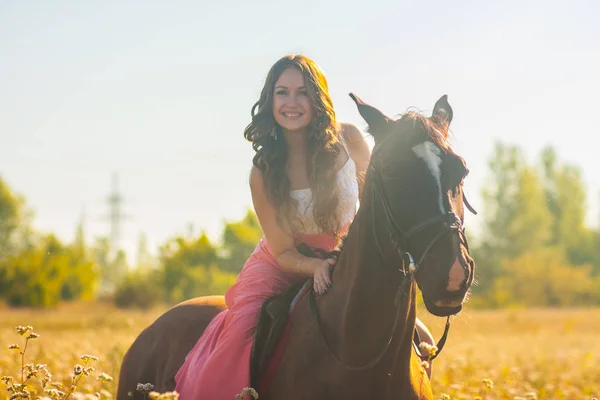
449,222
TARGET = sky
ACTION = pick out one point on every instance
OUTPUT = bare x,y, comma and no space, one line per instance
160,94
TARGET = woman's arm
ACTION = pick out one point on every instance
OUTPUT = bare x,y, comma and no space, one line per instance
280,237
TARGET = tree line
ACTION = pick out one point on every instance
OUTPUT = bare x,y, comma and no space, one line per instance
535,249
38,270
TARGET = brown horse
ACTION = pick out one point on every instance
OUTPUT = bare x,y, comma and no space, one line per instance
356,342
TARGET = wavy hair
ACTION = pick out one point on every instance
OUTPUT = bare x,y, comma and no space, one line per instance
323,146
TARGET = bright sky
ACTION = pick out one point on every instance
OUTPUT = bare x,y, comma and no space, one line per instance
161,92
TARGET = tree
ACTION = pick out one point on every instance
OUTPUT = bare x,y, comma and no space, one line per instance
499,193
544,277
15,230
144,259
239,241
517,217
185,263
46,274
529,226
566,196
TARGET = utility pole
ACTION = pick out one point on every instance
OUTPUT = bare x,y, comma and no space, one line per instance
115,263
115,214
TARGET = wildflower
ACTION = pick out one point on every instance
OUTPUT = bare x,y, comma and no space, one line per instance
104,378
78,370
246,391
87,358
20,395
430,349
33,335
14,347
489,384
425,364
23,330
445,396
163,396
7,380
30,371
44,374
54,393
144,387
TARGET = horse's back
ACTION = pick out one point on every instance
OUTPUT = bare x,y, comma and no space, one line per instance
160,350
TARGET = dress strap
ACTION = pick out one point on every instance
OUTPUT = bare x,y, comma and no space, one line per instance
344,144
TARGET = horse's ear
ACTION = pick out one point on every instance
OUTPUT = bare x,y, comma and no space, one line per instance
442,112
379,124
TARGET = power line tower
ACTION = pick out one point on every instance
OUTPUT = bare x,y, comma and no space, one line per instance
115,214
114,262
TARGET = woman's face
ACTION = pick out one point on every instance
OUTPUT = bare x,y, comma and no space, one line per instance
292,107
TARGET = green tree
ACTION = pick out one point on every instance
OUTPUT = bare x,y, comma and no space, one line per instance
144,259
43,275
499,193
516,216
239,241
566,196
83,275
185,262
529,226
112,266
15,221
544,277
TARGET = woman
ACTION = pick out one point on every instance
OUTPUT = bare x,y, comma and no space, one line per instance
305,183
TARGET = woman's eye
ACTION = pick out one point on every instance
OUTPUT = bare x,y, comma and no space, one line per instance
280,92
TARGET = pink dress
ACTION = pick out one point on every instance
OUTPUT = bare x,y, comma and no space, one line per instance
218,367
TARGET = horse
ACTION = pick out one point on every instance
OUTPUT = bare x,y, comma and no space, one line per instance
358,341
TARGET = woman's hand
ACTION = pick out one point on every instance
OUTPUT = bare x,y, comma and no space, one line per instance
322,276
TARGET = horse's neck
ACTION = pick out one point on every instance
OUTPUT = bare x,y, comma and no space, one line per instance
359,310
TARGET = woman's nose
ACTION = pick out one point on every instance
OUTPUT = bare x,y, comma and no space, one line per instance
292,99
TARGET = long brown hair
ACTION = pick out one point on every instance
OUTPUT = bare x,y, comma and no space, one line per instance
323,146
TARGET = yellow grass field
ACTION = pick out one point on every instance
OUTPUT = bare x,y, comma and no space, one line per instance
518,354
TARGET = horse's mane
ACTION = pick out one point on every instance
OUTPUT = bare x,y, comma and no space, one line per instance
438,133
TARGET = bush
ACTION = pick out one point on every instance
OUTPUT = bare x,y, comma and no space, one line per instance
138,290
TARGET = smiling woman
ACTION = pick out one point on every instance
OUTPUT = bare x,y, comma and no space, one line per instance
292,107
301,153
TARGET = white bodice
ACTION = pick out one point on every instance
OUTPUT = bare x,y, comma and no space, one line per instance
348,197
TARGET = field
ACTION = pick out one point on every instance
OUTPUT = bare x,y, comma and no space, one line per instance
519,354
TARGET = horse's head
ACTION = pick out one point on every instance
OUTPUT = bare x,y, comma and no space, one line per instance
415,180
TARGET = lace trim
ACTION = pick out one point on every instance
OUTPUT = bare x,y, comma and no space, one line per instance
348,189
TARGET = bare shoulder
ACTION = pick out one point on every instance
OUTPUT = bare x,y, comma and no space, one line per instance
350,131
255,175
256,181
357,144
